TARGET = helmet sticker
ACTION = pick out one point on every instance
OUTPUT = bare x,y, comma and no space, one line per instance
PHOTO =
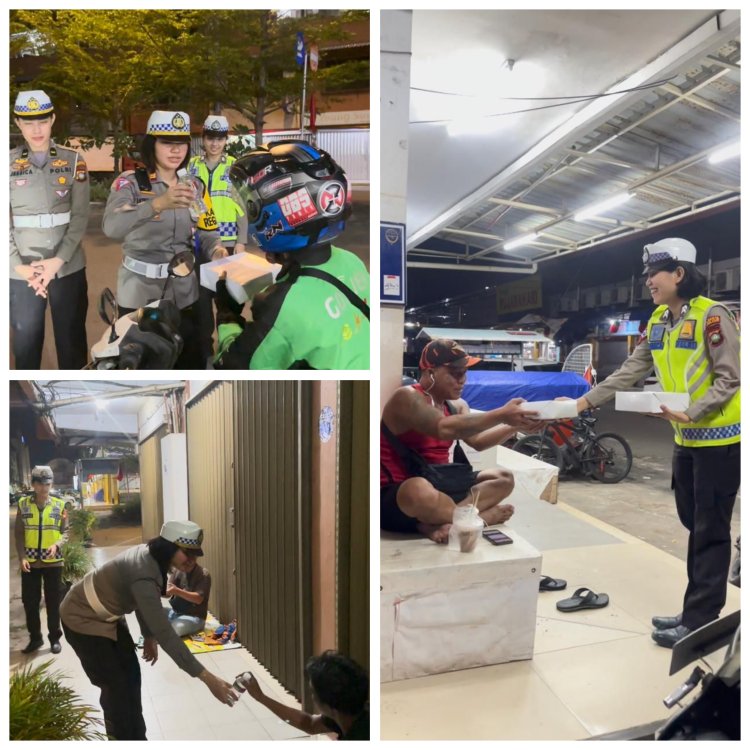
331,198
270,232
258,176
297,207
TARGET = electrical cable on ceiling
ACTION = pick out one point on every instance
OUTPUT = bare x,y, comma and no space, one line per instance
545,106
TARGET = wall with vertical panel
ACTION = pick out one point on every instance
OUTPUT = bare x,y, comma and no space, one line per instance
149,460
273,529
210,457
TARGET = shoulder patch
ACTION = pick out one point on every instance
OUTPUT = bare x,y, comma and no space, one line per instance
120,183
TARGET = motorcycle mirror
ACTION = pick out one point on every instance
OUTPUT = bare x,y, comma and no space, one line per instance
109,312
182,264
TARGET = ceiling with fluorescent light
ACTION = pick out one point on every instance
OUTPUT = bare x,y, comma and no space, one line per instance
480,177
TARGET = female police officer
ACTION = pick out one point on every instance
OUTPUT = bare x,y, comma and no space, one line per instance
49,201
93,617
149,210
693,344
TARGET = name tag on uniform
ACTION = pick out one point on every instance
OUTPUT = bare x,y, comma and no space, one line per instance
656,336
684,344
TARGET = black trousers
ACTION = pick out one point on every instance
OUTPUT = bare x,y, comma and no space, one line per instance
191,357
31,596
113,667
69,301
706,481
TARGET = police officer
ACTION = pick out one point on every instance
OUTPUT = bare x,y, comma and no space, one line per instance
693,344
49,202
149,210
315,315
93,616
40,533
213,170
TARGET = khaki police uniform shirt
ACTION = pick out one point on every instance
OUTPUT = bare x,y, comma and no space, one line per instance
725,364
59,186
152,238
129,582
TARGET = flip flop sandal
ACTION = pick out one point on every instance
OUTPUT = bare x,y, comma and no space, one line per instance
552,584
580,600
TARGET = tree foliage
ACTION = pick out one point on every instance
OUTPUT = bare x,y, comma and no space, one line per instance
104,65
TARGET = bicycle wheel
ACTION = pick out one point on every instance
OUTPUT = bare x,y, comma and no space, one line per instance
542,448
608,458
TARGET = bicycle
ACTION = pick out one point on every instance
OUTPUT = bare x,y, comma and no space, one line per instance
573,445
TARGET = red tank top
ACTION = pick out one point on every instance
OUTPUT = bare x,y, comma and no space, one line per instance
433,450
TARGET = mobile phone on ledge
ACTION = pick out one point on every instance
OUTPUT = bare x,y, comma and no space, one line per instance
496,537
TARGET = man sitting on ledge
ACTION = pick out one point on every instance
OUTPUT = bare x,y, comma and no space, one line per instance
424,419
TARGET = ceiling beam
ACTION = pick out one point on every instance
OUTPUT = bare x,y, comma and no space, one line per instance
722,27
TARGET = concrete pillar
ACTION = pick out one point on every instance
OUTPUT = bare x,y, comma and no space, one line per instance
395,76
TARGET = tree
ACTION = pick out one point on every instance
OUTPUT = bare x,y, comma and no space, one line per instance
104,65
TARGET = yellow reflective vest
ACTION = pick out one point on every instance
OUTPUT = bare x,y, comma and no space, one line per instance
42,529
219,189
682,365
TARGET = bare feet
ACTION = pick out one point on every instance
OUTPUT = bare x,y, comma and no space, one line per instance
438,533
497,514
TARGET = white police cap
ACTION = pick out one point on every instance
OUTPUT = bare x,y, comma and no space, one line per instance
166,123
216,124
33,104
668,250
185,534
42,474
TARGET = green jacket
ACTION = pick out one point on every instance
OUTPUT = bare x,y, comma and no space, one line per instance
304,324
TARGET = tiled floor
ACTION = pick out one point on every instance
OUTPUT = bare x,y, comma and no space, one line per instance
179,707
593,671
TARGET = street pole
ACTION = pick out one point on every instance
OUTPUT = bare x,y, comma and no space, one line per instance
304,93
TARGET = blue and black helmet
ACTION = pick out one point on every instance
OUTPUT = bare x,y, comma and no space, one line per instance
295,195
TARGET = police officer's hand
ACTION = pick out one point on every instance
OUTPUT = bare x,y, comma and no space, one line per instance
219,252
673,416
26,271
46,270
177,196
221,689
228,310
52,551
150,650
25,566
239,248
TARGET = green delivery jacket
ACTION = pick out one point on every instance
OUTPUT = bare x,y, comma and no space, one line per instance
304,324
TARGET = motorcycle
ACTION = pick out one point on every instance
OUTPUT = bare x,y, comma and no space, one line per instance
147,338
715,712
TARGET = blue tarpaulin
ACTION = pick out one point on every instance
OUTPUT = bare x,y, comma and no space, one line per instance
487,390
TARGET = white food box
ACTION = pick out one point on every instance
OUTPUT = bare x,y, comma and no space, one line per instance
649,402
565,409
246,274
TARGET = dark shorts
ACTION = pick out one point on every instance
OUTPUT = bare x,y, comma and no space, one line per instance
392,518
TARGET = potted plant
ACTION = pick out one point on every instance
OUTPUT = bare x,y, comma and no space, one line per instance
76,563
42,708
81,522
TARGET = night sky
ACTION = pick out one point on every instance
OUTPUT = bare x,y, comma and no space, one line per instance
719,232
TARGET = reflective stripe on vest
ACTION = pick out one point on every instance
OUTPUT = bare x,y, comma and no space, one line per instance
225,209
682,365
42,529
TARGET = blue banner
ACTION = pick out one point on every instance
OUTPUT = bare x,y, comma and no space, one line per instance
392,263
300,48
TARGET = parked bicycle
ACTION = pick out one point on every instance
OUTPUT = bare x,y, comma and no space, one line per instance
574,446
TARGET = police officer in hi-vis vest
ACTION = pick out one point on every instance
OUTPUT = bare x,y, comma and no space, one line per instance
213,170
49,203
693,344
41,531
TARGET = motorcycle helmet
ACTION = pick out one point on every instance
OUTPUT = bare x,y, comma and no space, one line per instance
295,196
